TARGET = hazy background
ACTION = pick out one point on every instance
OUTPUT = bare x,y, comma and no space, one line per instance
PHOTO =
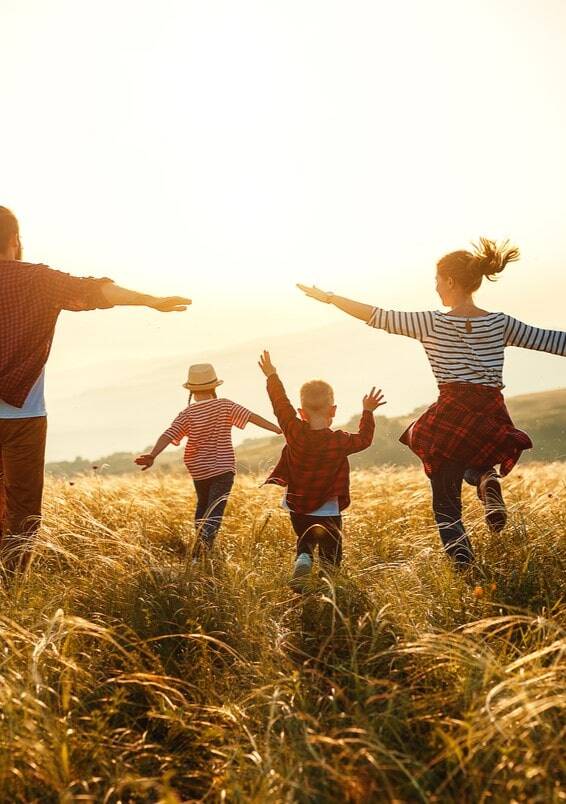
226,150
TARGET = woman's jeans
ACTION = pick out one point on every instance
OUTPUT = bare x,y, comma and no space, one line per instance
212,496
447,506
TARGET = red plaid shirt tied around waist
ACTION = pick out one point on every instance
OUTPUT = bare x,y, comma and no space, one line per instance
468,424
31,298
314,463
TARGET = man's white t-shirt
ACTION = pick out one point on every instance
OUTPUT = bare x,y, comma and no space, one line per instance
32,407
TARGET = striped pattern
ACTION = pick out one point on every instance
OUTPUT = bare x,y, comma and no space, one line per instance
457,355
207,426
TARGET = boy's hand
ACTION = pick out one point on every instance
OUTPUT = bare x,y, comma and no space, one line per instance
266,365
316,293
373,400
145,461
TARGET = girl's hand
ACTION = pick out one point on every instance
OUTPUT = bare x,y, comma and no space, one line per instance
145,461
373,400
266,365
316,293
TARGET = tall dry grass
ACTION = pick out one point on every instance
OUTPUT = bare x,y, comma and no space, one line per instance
128,675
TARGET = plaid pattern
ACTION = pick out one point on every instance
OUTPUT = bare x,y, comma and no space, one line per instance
314,463
468,424
31,298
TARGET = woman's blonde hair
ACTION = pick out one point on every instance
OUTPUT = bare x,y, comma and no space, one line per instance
468,268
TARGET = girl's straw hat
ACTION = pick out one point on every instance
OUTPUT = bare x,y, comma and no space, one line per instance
202,377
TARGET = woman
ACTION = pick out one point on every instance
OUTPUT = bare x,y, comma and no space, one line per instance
468,431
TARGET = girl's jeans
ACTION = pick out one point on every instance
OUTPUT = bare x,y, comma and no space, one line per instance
212,496
447,506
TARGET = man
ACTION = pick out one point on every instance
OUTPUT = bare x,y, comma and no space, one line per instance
31,298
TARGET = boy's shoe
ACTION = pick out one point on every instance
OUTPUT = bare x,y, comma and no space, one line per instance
301,573
489,492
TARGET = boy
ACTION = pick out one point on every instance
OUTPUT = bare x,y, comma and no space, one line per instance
314,467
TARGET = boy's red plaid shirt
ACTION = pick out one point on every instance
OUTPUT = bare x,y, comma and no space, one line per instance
31,298
314,463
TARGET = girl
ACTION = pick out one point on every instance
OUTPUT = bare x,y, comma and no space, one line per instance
209,454
468,430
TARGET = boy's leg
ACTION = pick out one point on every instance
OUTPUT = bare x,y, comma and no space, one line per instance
307,537
23,462
306,542
447,506
330,541
218,494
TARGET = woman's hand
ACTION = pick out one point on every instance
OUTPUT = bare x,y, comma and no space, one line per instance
316,293
373,400
266,365
145,461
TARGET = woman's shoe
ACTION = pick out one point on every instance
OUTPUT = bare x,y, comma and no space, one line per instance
489,492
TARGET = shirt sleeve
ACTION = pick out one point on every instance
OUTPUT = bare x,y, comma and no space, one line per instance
525,336
284,411
65,292
239,415
412,325
357,442
178,429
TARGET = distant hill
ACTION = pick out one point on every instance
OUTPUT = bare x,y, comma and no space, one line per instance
542,415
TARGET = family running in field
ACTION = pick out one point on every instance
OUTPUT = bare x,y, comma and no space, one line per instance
464,435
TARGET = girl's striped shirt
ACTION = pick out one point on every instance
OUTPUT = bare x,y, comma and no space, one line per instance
208,428
462,349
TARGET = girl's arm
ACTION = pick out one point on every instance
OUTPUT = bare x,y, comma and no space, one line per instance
413,325
527,337
146,461
259,421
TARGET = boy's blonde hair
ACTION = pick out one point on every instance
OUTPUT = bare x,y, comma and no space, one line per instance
317,396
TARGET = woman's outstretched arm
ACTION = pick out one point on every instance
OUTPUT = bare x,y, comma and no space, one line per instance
353,308
527,337
412,325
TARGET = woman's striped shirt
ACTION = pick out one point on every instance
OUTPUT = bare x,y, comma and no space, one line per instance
462,349
208,427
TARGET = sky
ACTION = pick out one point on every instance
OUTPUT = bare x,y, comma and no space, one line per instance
226,150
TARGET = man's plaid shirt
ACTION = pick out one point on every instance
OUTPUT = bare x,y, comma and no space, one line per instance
31,298
314,463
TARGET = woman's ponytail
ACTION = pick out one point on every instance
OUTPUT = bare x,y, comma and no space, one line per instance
491,258
468,268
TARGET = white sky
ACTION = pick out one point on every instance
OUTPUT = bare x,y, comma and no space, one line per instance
225,150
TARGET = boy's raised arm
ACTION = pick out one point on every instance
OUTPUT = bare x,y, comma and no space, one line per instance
283,409
356,442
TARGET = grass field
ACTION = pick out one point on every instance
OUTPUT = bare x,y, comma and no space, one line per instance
129,675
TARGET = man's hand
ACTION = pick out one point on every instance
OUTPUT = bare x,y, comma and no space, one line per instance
145,461
266,365
373,400
170,304
316,293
